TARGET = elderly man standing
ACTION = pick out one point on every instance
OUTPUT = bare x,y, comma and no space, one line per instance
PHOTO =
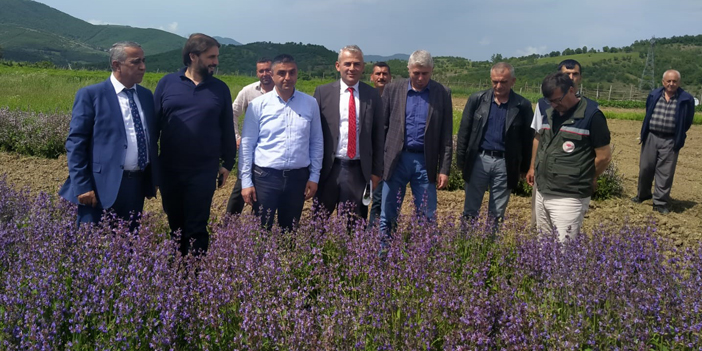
111,146
573,150
669,114
281,149
265,84
198,141
419,140
353,128
494,143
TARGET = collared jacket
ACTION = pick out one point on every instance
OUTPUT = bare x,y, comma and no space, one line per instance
518,135
684,114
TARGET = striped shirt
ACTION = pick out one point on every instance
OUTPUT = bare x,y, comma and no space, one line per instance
663,116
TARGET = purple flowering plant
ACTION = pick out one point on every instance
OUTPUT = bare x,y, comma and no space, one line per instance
447,285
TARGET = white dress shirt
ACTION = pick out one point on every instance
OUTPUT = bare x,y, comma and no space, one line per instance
131,158
342,147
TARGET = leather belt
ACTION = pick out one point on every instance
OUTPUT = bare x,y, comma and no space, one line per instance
493,153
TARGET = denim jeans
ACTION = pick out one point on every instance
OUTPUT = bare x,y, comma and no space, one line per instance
411,168
488,172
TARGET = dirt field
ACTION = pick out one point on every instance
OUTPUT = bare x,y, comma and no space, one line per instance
683,224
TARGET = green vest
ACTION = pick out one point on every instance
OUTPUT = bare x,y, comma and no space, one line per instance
565,161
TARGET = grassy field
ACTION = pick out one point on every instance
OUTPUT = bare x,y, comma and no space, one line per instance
53,90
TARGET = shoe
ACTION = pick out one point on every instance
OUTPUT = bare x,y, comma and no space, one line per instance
662,209
639,200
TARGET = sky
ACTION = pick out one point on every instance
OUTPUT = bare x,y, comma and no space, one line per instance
466,28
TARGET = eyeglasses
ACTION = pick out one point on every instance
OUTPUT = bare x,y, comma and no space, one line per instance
557,101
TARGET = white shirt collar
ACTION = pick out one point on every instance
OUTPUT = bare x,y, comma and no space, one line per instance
118,85
343,87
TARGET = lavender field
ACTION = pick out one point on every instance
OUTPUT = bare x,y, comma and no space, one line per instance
446,286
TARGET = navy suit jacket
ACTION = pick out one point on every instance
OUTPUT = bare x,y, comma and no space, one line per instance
97,144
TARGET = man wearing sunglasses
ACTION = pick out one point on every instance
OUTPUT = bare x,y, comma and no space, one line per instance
572,151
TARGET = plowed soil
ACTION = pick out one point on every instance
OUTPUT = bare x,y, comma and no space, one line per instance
683,224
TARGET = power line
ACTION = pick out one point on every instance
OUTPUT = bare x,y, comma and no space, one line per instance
648,75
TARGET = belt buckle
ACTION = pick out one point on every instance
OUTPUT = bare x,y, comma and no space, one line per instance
285,173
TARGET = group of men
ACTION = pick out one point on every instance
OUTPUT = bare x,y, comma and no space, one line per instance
345,142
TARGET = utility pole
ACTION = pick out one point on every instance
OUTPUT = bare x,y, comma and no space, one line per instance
648,76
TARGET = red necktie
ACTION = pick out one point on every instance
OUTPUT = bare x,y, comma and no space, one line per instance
351,149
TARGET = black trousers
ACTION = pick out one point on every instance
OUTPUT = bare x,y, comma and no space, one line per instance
187,198
344,186
236,202
281,191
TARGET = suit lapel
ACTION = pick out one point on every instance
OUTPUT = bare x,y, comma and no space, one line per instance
403,107
334,113
433,91
147,107
114,109
512,110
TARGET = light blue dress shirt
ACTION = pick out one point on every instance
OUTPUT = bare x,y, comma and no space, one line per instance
281,135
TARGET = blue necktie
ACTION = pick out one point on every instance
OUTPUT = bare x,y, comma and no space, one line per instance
139,128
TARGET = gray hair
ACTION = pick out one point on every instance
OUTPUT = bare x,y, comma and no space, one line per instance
420,58
674,71
500,66
351,49
118,52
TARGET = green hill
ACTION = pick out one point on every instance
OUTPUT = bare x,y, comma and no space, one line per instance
312,60
32,31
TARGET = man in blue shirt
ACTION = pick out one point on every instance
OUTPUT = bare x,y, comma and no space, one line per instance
419,141
282,132
198,141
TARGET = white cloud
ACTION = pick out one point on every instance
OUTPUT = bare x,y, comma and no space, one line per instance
172,27
485,41
531,50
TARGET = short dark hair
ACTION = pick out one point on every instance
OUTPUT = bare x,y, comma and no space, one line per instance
381,64
555,81
570,64
283,58
197,44
263,60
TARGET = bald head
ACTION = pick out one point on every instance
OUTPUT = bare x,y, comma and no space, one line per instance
671,82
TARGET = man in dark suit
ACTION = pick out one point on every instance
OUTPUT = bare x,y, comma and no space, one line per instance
111,145
353,128
494,143
419,140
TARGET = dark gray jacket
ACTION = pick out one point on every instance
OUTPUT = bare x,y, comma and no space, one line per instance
518,135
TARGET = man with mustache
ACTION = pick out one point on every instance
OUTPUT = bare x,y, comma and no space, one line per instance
380,77
198,141
264,84
111,146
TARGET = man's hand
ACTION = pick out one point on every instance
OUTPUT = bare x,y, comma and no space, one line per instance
249,195
375,180
88,199
238,142
530,177
310,189
594,184
443,181
225,174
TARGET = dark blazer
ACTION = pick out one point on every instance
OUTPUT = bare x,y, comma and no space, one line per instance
684,114
438,133
97,144
370,118
518,135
